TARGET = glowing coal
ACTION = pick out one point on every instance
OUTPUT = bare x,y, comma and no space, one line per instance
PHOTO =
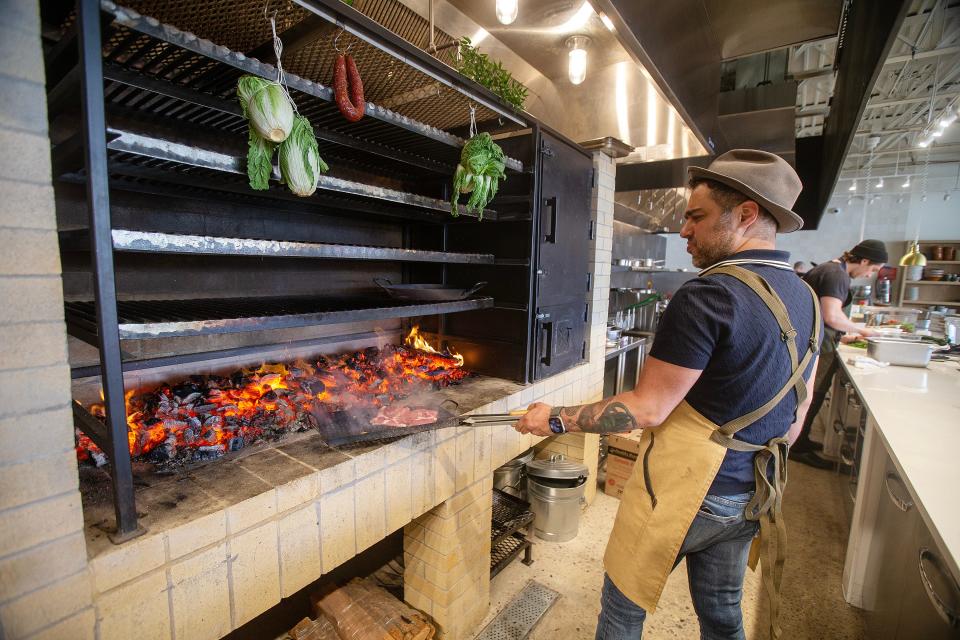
206,416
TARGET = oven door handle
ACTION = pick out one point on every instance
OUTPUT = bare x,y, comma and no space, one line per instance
546,343
551,203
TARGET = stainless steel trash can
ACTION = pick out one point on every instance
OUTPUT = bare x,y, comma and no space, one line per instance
512,477
555,488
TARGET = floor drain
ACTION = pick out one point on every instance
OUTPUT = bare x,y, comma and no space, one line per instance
521,614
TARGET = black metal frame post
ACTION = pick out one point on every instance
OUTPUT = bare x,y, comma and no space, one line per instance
98,206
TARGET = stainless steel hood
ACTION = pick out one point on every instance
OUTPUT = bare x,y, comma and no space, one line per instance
685,41
619,97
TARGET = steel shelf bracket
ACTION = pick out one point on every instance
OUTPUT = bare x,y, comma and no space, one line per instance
98,208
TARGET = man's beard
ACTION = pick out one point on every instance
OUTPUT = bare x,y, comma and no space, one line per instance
721,245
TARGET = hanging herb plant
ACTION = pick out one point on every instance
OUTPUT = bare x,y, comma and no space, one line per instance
479,67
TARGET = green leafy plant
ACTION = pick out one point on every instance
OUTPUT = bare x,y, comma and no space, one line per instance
479,172
491,74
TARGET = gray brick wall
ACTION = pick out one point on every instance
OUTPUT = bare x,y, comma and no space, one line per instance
45,590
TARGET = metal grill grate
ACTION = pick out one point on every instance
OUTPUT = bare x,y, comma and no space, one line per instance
509,514
383,76
521,614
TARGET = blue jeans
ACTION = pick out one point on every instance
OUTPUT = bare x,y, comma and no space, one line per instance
716,547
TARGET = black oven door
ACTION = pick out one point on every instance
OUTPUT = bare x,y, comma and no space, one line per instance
560,338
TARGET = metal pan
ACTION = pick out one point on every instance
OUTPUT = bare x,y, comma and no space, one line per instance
426,292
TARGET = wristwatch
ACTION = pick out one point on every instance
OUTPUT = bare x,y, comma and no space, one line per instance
556,422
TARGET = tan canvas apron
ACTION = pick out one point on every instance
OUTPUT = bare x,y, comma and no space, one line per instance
681,458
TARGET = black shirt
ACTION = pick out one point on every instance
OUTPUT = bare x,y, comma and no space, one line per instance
830,279
719,325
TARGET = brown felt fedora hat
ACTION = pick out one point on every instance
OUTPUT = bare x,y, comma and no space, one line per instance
763,177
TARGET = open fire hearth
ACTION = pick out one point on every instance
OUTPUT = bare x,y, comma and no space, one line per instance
202,443
350,397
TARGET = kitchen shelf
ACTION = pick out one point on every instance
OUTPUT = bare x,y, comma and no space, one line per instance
943,261
932,303
147,149
932,282
128,240
147,319
196,87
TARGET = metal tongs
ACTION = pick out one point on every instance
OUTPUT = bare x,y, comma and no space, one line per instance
556,425
492,418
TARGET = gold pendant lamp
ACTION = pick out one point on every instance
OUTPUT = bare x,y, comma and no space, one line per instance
913,257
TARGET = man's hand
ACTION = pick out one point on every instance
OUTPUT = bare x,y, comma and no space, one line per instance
868,333
536,420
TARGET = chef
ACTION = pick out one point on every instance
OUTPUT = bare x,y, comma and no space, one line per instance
831,282
725,389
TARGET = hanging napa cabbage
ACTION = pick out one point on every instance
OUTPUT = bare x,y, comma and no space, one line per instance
480,169
300,161
267,107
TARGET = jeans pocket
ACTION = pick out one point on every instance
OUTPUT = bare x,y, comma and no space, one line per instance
724,509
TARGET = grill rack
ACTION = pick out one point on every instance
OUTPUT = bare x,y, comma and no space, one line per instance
172,73
148,319
510,514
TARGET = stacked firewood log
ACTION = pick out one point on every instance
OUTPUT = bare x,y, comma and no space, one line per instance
361,610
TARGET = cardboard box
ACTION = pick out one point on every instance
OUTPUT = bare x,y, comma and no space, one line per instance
622,453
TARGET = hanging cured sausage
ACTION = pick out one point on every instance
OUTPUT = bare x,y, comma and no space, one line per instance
348,88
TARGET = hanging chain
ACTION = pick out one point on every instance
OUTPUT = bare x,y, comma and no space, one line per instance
473,121
926,173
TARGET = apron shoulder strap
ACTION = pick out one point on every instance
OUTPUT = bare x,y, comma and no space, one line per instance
775,304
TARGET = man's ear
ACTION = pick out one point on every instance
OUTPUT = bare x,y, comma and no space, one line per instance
749,213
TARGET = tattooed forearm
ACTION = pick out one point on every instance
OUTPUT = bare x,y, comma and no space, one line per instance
606,416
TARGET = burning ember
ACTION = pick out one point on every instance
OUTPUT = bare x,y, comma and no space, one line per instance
206,416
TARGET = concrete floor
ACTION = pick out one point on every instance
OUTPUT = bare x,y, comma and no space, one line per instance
813,607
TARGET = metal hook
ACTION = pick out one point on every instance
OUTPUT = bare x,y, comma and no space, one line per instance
336,42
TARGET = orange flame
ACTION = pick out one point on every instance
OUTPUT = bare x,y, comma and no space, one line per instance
416,340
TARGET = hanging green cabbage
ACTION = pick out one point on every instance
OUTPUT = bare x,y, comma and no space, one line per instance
267,107
300,161
479,172
259,161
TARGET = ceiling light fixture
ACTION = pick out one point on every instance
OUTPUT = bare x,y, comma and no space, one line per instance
853,186
577,69
906,183
607,22
879,184
507,10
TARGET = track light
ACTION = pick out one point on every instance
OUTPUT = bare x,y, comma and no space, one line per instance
853,186
906,183
880,183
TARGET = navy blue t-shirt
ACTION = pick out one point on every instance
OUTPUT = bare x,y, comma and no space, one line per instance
717,324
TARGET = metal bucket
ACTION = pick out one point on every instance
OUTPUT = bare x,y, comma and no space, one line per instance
556,490
512,477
